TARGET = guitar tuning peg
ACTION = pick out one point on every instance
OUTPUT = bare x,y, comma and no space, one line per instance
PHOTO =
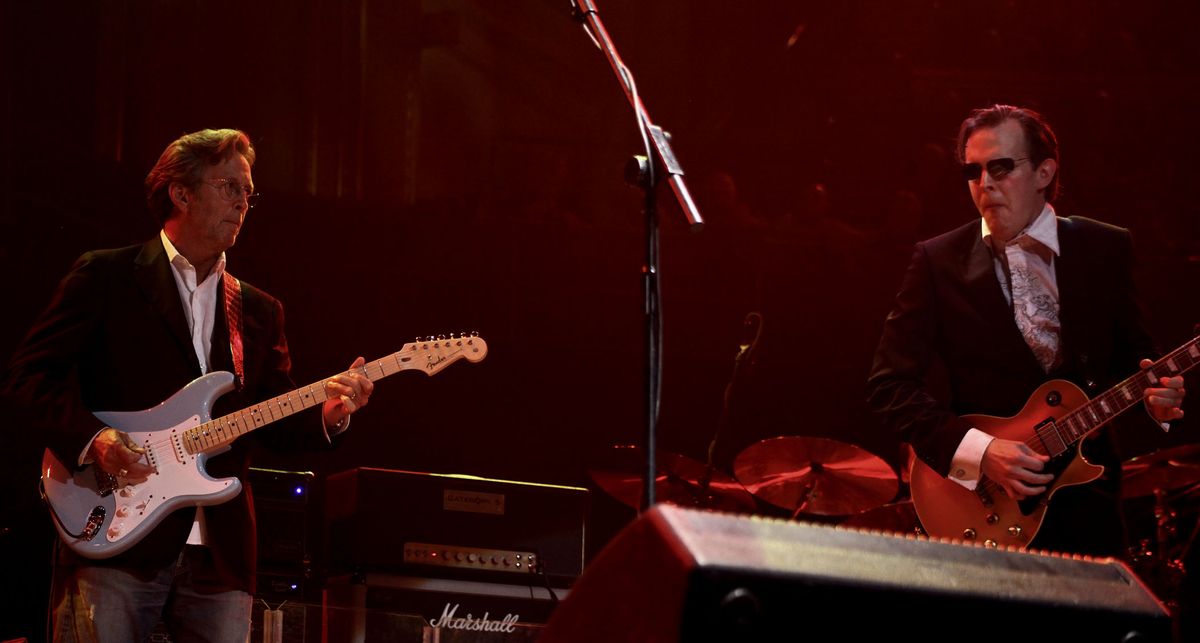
474,333
441,337
429,338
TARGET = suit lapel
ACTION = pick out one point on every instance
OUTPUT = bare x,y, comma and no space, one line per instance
153,275
979,277
1069,271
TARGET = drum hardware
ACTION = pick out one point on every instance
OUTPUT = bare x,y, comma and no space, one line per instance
679,480
1169,476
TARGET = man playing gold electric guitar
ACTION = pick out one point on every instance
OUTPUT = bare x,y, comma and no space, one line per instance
1004,305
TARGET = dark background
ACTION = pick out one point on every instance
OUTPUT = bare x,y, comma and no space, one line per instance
441,166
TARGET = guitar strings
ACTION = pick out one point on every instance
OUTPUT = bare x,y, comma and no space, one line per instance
286,408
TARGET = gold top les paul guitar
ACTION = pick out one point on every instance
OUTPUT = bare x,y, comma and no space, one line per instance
100,515
1054,422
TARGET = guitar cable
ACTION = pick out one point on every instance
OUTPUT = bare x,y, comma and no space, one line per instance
541,572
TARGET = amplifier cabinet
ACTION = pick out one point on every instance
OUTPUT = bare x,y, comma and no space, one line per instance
455,526
414,609
283,510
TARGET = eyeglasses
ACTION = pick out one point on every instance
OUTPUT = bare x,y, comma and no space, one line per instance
233,190
996,168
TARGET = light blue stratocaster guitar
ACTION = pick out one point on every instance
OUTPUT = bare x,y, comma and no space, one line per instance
99,515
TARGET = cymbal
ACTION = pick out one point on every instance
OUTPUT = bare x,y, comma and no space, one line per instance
815,475
1163,470
679,480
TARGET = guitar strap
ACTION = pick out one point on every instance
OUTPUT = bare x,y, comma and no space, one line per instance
233,319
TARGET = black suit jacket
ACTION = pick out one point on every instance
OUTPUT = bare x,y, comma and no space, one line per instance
951,317
115,338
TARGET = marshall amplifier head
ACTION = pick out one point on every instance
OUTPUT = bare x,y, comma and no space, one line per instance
455,526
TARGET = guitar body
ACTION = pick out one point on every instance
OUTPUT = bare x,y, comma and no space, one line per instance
986,515
121,512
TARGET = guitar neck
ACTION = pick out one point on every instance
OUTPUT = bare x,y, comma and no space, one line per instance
429,356
1076,425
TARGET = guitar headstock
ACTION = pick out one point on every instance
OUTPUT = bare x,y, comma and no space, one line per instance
436,353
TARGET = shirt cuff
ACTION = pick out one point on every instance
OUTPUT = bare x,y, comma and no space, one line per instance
84,458
968,458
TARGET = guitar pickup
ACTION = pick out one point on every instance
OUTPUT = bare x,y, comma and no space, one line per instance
1052,441
177,447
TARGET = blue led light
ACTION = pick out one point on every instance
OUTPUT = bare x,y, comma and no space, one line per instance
299,490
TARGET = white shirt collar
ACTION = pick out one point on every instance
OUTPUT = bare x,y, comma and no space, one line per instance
1044,229
181,262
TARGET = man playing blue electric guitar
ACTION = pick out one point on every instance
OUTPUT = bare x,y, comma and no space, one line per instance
1005,304
126,329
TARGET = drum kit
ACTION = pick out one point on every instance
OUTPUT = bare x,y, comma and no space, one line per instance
1161,493
805,477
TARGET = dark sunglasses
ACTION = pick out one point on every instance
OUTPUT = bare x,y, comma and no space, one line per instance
996,168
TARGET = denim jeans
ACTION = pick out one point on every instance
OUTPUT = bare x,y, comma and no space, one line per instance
101,603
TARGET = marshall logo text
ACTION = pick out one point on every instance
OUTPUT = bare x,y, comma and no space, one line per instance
450,622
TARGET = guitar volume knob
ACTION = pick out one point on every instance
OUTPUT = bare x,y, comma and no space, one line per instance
1015,531
992,519
969,534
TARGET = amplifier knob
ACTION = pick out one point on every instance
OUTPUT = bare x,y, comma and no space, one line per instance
471,557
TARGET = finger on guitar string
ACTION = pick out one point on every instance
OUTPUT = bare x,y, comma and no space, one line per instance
352,385
115,452
1015,467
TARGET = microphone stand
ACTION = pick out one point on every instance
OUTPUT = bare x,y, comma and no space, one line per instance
642,169
743,363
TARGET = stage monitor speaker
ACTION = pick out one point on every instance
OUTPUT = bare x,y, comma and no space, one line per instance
685,575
